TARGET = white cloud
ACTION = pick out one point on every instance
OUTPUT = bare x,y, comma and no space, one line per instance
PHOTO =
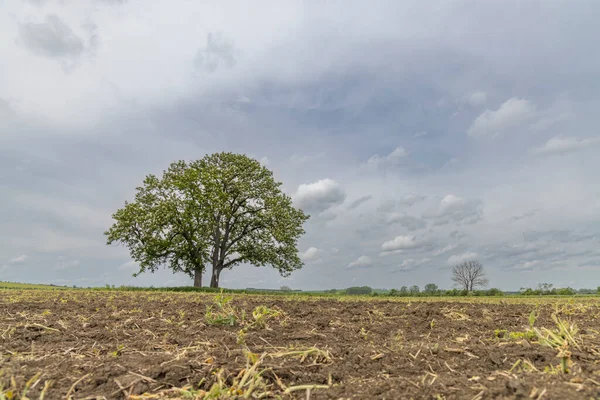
530,264
393,158
362,261
562,145
477,99
459,258
18,260
455,209
319,196
410,264
510,115
400,243
310,254
444,250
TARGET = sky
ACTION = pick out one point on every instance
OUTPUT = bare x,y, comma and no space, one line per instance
416,134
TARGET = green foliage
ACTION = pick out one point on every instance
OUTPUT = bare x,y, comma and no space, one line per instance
359,290
223,210
547,289
431,288
221,312
430,291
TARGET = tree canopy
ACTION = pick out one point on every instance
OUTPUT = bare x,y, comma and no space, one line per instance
222,210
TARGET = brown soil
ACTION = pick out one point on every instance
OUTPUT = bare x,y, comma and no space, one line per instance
120,344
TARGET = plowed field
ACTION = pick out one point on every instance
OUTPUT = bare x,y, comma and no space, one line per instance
117,345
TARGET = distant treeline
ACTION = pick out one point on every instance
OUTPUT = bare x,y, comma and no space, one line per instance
432,290
429,290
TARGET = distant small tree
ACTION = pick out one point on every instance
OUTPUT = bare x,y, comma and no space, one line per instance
404,290
598,290
431,288
285,289
414,290
545,288
469,275
494,292
568,291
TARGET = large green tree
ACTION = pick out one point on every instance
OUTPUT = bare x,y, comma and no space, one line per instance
222,210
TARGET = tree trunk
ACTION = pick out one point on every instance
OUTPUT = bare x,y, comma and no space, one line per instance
216,273
198,277
214,280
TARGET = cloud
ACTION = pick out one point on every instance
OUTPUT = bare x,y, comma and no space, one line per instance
407,221
63,263
459,258
509,116
529,265
412,199
112,2
560,236
400,243
527,214
563,145
410,265
311,254
362,261
445,249
319,196
393,158
477,99
36,2
456,234
292,94
219,52
51,38
5,107
359,201
458,210
18,260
